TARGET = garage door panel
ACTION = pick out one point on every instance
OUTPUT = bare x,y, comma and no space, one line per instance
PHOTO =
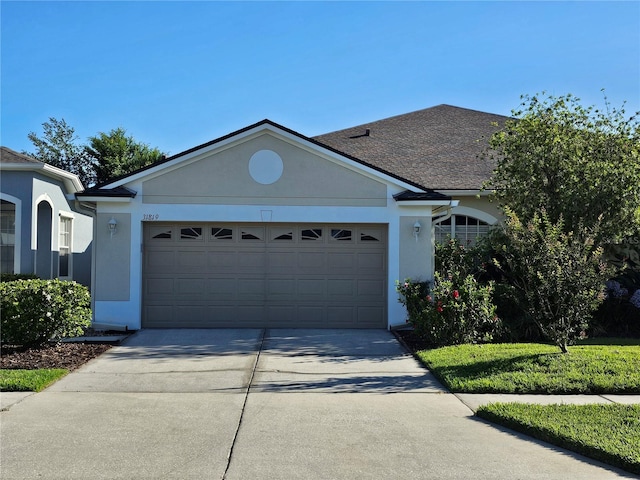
191,261
285,315
222,289
234,275
191,287
251,259
371,261
311,316
341,315
281,288
158,261
311,289
222,260
341,261
160,314
341,287
159,287
251,289
191,314
370,288
369,317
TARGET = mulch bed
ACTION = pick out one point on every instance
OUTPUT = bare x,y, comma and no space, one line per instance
412,341
60,355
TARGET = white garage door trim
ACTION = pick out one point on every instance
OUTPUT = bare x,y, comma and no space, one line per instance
264,275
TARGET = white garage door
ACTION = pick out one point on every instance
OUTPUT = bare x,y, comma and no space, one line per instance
264,275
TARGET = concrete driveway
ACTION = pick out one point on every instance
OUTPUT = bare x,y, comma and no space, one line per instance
275,404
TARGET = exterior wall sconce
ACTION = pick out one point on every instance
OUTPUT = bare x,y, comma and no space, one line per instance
113,226
416,230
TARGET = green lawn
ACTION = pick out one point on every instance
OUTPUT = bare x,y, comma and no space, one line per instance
536,368
610,432
607,432
29,380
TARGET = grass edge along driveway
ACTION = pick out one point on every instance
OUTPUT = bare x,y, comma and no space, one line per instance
29,380
605,432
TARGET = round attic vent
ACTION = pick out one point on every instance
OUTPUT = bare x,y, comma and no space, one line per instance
265,167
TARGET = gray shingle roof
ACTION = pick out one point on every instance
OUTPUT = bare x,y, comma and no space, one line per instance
438,147
11,156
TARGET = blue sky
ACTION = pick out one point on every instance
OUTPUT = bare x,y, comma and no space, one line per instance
178,74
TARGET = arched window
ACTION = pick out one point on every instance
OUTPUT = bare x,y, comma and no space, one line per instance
464,228
7,236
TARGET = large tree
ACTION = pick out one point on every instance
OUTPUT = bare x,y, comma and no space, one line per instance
577,163
117,154
59,147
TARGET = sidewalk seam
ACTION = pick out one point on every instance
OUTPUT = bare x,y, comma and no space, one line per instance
244,404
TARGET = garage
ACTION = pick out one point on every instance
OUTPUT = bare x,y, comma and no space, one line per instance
205,275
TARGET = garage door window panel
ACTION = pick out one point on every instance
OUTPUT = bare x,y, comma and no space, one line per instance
281,234
160,233
252,233
191,233
341,235
221,234
311,234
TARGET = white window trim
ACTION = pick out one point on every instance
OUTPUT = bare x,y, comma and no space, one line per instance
66,216
18,230
469,212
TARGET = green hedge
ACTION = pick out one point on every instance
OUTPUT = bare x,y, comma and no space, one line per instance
36,311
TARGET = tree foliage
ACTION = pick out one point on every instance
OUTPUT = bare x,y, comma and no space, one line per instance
108,155
117,154
577,163
560,274
59,147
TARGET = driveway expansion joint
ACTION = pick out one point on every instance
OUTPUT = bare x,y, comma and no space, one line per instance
260,346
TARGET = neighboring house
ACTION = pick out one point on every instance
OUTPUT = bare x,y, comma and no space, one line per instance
42,231
266,227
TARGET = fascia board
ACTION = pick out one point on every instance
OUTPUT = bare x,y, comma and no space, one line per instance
465,193
100,199
425,203
71,180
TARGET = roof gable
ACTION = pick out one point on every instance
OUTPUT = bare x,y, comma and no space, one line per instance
14,161
438,147
194,153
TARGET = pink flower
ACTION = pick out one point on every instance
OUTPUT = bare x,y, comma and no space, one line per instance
440,309
429,298
456,294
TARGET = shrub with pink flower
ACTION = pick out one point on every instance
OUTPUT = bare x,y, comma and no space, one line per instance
456,310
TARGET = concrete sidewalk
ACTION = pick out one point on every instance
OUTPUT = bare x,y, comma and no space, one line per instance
239,404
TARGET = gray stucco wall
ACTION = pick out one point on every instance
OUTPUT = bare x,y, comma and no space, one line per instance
113,258
28,186
19,185
415,253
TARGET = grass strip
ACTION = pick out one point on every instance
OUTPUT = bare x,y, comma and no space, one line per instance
29,380
536,368
606,432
